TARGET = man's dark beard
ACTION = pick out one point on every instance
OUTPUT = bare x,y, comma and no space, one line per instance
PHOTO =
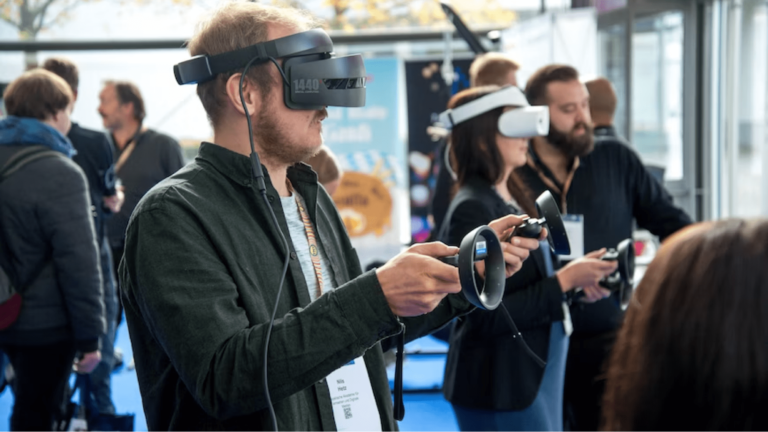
570,145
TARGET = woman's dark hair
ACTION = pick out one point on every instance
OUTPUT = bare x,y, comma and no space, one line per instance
693,350
474,152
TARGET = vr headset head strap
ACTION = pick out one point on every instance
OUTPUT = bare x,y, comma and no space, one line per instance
204,68
506,96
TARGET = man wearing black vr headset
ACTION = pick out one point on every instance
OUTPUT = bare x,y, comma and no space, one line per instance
203,258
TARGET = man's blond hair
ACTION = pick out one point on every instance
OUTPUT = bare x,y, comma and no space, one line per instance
237,25
491,69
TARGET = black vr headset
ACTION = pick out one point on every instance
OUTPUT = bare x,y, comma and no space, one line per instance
313,78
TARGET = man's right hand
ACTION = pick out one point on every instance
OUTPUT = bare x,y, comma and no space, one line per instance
88,362
587,272
115,202
414,282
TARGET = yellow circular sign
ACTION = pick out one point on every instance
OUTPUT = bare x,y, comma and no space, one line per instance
364,203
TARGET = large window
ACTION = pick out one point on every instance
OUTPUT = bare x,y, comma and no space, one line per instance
749,191
613,66
657,91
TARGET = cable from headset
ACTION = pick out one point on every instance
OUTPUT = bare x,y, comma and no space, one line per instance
258,175
519,337
447,160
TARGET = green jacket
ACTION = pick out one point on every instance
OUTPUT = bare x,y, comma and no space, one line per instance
199,279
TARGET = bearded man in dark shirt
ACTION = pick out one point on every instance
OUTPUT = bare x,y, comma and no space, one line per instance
601,187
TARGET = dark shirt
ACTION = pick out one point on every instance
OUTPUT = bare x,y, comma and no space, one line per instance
94,156
486,367
155,157
611,187
200,276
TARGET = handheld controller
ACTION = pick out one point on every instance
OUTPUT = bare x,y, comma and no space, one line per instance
481,244
551,219
621,282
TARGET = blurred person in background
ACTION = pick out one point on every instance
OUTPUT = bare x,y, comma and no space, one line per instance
602,108
325,164
603,187
491,383
49,251
143,157
94,156
493,68
693,351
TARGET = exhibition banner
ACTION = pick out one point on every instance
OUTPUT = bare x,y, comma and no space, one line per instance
369,143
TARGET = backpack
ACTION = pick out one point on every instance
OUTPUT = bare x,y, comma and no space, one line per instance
10,296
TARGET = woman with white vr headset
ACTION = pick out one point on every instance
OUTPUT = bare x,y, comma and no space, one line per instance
490,381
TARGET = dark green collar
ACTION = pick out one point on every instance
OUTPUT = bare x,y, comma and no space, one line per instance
238,167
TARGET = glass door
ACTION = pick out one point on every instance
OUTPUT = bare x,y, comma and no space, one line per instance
648,50
657,92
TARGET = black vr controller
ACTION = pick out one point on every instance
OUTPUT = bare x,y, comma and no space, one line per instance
550,219
482,244
621,282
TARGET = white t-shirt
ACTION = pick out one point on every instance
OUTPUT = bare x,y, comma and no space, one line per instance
301,246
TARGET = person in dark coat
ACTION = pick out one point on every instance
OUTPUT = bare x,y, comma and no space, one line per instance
490,381
49,251
94,157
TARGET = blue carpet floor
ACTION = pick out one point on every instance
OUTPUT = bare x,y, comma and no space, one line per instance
424,372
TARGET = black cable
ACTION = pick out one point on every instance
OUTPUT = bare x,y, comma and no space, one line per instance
285,79
519,337
258,175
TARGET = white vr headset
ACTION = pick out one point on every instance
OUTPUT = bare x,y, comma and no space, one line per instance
524,122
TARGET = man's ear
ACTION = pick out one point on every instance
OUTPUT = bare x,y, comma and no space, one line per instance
251,95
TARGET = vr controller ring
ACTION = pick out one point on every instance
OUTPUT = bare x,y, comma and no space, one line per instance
489,296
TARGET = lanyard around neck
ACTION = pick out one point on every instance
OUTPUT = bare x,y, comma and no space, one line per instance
548,178
314,251
127,150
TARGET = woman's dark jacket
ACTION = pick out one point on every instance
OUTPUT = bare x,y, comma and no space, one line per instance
486,368
45,222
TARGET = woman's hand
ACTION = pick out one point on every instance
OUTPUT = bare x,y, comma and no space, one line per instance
516,250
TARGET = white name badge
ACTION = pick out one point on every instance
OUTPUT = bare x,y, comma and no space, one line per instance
574,226
567,323
354,407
